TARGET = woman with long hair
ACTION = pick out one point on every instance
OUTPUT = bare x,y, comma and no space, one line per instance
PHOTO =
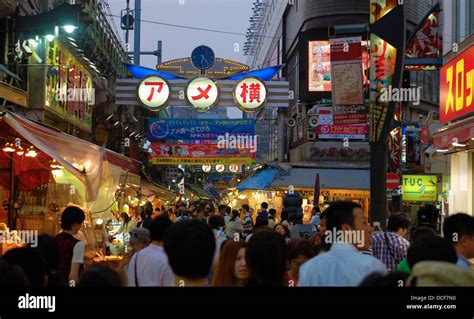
234,226
231,270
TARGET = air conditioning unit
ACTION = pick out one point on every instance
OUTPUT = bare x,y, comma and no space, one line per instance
301,110
311,136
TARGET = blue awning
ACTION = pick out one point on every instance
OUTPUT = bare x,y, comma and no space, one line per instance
259,181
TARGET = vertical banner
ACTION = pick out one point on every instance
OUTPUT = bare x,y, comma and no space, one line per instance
346,71
383,58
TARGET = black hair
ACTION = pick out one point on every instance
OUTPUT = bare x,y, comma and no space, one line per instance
190,246
272,212
324,215
70,216
264,205
228,209
284,215
158,227
157,209
216,221
431,249
395,222
300,246
261,221
125,217
266,257
422,232
458,225
12,275
246,207
221,208
100,276
49,251
235,214
392,279
340,213
148,209
31,262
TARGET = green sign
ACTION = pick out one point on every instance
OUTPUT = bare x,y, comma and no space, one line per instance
422,188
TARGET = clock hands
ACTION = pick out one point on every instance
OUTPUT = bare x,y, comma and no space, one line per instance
203,59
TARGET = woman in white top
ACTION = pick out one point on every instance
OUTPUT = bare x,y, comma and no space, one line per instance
234,226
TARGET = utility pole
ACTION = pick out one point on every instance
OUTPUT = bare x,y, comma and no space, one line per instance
136,44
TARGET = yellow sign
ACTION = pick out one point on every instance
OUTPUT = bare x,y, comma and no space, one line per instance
202,161
69,89
421,188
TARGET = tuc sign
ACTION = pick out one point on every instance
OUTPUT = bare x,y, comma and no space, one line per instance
457,87
422,188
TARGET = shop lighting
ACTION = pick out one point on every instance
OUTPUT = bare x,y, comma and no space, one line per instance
20,151
442,150
242,196
8,148
456,144
99,221
87,165
69,28
31,152
50,37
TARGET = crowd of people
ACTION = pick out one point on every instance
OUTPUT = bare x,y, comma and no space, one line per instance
197,244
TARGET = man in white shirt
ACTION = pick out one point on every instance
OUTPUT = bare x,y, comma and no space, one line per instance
343,265
149,266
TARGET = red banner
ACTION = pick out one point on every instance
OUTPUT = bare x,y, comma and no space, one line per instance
243,151
343,119
342,131
457,87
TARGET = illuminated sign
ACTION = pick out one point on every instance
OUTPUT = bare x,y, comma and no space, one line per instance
153,92
64,75
457,87
422,188
319,66
206,168
202,94
249,94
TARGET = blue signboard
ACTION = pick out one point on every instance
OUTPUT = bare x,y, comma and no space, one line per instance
197,129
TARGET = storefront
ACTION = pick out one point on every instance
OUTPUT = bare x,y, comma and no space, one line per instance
455,139
335,184
43,170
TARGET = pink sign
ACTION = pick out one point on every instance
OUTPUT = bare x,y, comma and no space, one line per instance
342,131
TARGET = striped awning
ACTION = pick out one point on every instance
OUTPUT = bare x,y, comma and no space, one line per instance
126,93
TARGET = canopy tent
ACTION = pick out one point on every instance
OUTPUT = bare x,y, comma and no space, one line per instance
198,191
87,162
259,181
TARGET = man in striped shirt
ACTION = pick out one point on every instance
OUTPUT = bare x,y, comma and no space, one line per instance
391,247
247,223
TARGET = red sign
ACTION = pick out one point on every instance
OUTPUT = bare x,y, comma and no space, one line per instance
425,135
393,181
342,131
342,119
457,87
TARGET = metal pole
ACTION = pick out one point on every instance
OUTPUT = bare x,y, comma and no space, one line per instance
158,52
126,31
281,134
11,218
136,39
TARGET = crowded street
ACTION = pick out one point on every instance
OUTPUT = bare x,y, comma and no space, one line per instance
279,144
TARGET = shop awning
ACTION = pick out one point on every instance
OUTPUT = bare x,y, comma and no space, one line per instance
198,191
357,179
259,181
461,131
